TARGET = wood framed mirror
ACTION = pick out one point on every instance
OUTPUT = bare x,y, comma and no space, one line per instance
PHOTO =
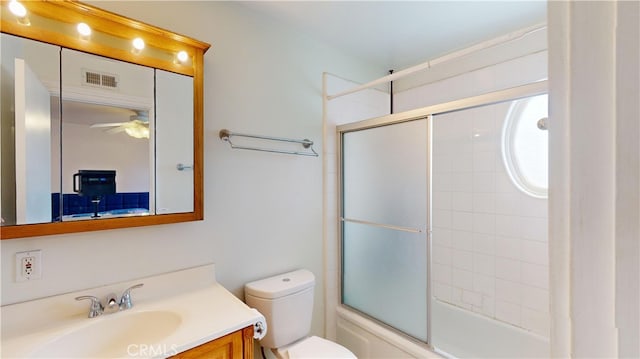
119,83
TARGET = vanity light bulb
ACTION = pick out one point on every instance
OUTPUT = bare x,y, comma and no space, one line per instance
183,56
84,29
138,43
17,9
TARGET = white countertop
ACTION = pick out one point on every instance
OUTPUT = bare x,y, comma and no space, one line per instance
206,310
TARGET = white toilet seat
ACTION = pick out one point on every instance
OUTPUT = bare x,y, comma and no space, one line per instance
316,348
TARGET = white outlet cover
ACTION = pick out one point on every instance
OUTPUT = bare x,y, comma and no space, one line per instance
36,267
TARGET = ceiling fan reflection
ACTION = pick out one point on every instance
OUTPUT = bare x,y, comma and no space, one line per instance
137,126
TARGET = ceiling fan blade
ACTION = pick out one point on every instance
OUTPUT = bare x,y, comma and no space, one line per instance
116,129
115,124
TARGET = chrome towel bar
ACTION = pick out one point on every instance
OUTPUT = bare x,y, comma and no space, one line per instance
226,135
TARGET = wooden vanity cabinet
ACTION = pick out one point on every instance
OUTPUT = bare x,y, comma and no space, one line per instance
237,345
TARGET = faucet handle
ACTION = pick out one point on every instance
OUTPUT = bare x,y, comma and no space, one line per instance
125,300
96,308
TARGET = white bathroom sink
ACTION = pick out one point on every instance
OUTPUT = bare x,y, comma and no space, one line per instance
172,313
115,335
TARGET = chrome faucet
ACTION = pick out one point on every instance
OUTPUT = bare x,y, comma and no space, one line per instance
111,303
96,308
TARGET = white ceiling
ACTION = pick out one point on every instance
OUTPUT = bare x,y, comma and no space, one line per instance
399,34
89,114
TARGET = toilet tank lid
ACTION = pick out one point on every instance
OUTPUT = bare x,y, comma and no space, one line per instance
280,285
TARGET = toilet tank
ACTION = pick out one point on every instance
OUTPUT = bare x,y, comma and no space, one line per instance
286,301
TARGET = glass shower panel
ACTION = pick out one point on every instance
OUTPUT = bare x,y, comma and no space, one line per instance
384,241
385,276
384,174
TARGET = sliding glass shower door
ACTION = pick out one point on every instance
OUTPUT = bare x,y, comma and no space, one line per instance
384,224
474,172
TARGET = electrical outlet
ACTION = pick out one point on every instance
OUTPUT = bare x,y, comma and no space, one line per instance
28,265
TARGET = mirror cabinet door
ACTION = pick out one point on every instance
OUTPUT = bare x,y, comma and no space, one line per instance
107,118
30,162
174,143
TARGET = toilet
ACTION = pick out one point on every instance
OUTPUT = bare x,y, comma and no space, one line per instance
286,301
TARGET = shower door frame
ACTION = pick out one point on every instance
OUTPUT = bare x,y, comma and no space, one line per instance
491,98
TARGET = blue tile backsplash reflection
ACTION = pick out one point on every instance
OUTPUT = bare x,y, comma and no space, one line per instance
76,204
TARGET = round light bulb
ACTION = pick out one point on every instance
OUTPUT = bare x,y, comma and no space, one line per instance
183,56
137,132
84,29
138,43
17,9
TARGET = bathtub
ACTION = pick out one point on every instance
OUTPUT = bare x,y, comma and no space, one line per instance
456,333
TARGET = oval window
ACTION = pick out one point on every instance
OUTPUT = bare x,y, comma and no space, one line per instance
525,145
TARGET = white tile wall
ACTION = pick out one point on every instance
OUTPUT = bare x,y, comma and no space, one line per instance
508,312
484,284
494,246
492,78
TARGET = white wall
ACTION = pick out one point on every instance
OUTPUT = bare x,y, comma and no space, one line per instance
594,90
15,47
534,42
628,179
515,72
133,81
32,146
263,212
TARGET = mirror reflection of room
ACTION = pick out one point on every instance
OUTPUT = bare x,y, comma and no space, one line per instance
104,138
101,123
105,123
